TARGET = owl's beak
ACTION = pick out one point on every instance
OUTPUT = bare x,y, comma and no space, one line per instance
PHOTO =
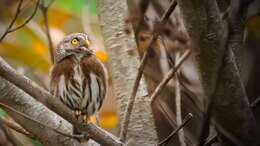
86,43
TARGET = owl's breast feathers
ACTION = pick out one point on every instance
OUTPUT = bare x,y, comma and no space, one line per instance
81,85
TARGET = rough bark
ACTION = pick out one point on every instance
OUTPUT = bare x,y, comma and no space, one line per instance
219,73
124,62
24,103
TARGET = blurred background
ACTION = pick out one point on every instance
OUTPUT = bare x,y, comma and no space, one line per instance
27,48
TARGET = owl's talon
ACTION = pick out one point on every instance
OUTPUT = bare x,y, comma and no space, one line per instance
77,113
85,119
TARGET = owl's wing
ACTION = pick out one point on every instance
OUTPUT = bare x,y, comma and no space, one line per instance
65,67
96,73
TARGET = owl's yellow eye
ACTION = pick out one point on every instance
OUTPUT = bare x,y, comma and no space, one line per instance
75,41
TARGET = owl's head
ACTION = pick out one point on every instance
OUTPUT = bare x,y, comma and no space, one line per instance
72,44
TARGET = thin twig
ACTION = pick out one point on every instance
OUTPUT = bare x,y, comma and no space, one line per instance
255,102
28,19
178,104
130,104
169,75
44,125
44,10
18,10
16,127
187,118
37,92
211,140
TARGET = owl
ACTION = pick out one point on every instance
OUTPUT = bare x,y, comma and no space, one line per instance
78,78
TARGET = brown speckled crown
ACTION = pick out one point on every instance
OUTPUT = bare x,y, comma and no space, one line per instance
65,44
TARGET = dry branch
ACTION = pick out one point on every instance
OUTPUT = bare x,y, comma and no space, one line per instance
179,104
16,127
169,75
44,10
187,118
54,104
18,11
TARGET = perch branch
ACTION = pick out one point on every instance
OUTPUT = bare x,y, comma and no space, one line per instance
54,104
187,118
35,121
131,101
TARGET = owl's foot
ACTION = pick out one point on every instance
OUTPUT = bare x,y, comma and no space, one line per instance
77,114
85,119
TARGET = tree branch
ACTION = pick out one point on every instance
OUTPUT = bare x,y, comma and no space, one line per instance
20,101
187,118
18,11
16,127
28,19
178,103
54,104
44,10
38,122
169,75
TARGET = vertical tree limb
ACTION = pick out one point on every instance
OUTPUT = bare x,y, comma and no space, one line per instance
124,62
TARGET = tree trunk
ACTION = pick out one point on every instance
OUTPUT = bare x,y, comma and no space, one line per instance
219,73
124,62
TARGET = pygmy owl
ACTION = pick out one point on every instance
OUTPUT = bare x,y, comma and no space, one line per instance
78,78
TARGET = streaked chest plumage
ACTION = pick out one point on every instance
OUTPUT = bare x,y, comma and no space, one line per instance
80,90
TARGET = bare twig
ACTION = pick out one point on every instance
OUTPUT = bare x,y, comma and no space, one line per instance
187,118
44,10
178,104
169,75
131,101
211,140
255,102
28,19
18,11
54,104
29,118
16,127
